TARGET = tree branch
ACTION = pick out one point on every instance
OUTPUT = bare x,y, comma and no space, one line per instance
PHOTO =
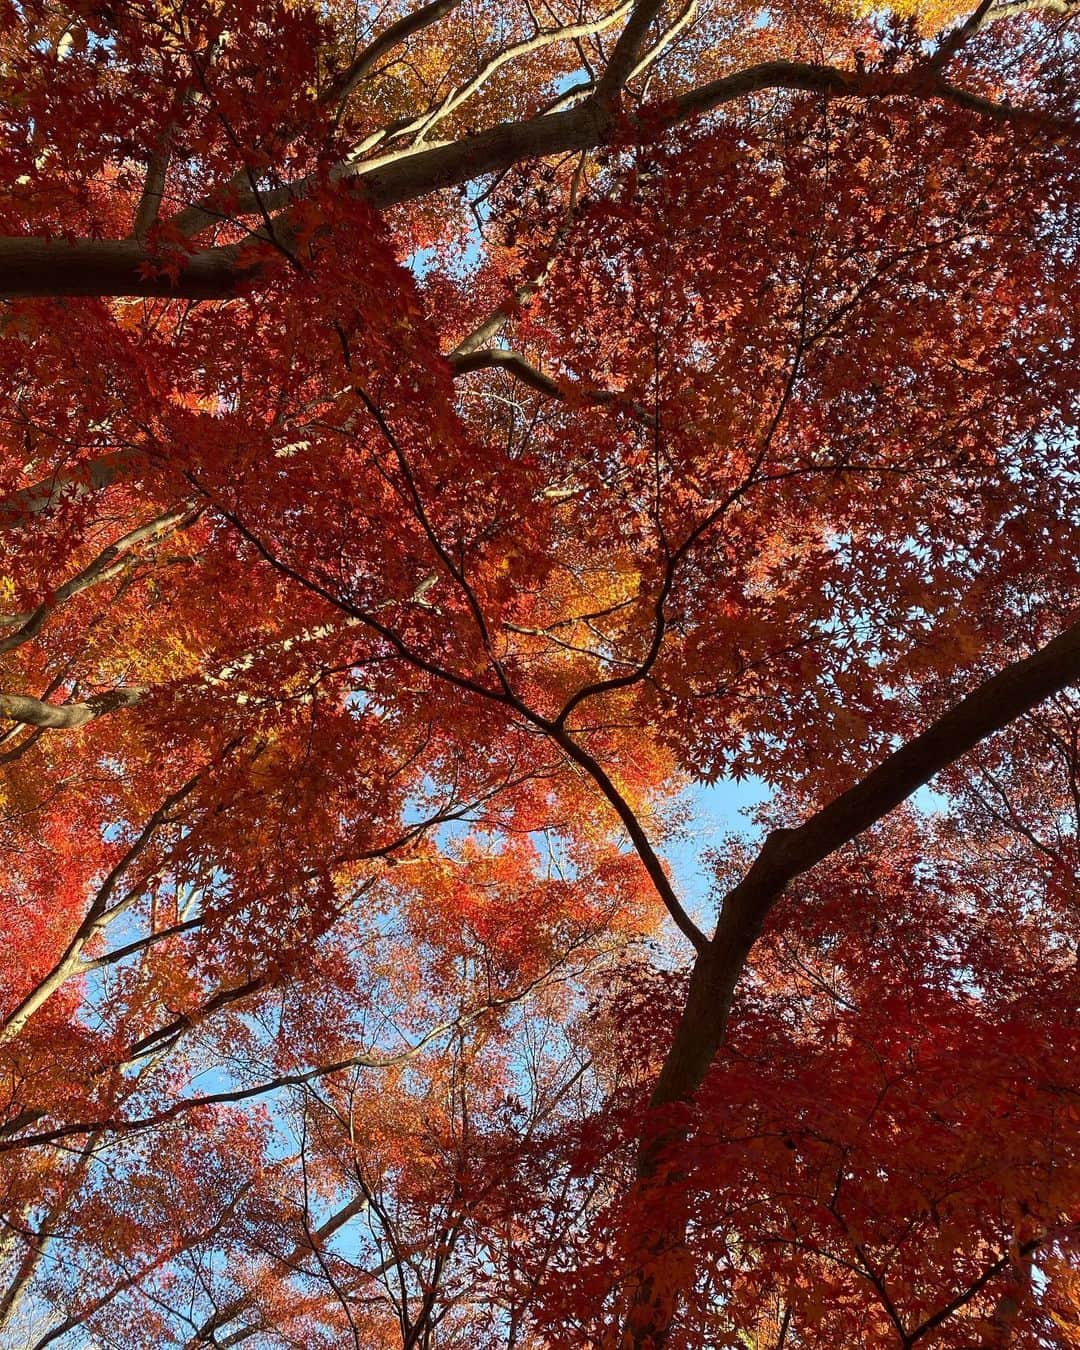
52,267
231,1096
345,83
35,712
60,486
501,358
108,564
97,916
788,853
624,56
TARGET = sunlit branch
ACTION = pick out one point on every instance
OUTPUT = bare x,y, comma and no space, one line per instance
513,363
38,266
35,712
97,916
109,563
346,83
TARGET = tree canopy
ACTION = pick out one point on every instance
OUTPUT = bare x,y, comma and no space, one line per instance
443,449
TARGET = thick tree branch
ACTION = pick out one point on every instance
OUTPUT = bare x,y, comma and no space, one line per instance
624,56
35,712
1011,10
500,358
989,708
146,213
665,40
34,266
43,267
958,37
788,853
785,855
35,500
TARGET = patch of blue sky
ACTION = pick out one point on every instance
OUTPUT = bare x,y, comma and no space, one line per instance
358,700
571,81
467,252
421,262
464,257
715,812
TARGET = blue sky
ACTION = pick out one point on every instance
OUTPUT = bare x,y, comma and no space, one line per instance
717,810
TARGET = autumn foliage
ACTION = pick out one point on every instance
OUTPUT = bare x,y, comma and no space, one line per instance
445,450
